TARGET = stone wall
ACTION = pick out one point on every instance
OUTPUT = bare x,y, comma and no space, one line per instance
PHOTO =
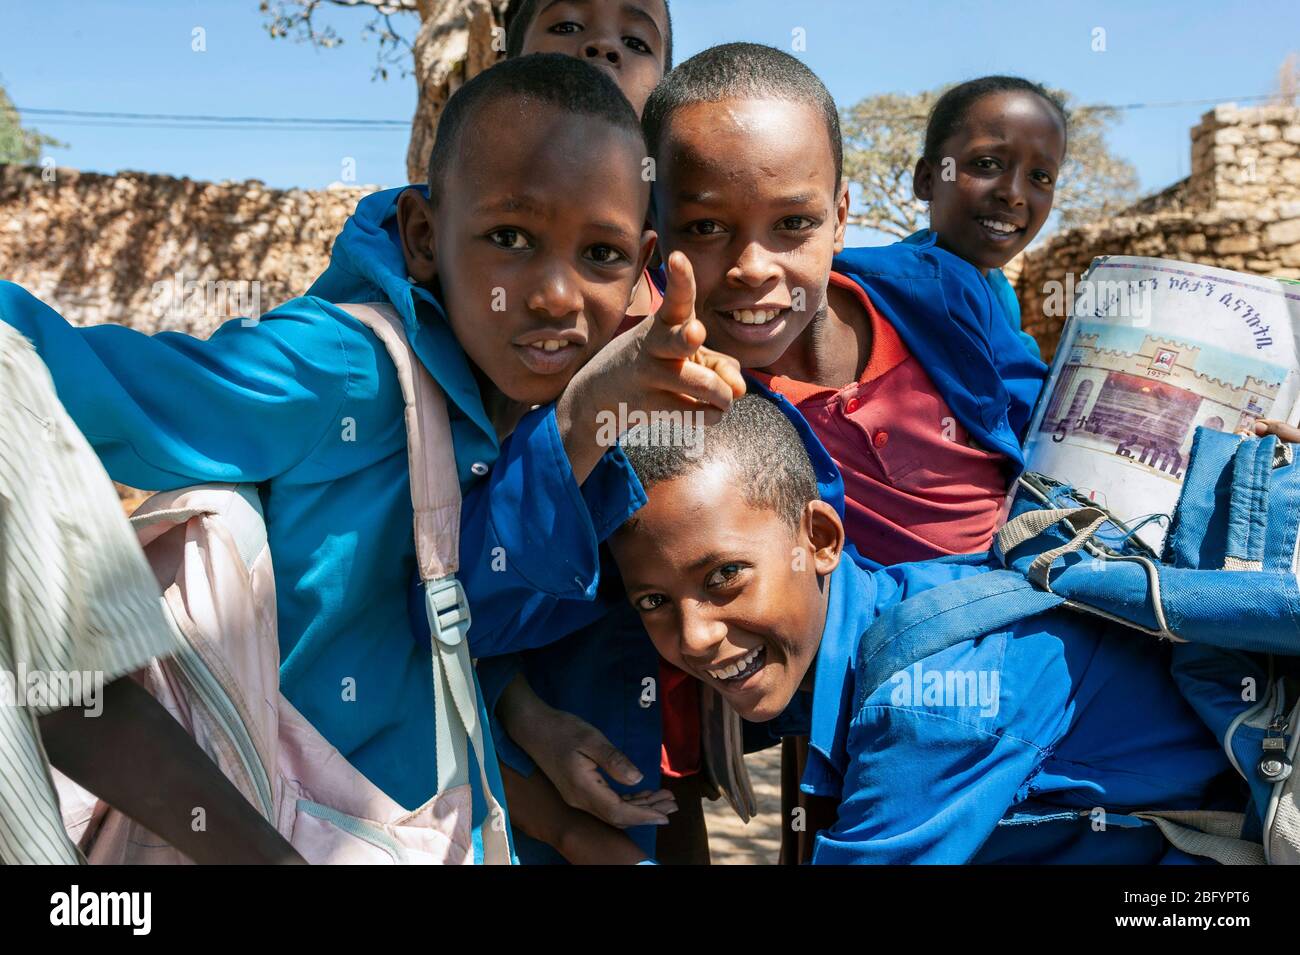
156,253
1239,209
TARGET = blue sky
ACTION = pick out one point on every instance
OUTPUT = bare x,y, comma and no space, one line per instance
136,56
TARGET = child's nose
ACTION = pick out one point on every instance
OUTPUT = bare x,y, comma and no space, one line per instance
700,633
1011,190
602,48
557,295
755,267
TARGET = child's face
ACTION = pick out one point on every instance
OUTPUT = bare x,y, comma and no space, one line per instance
537,241
624,37
1005,160
747,189
719,582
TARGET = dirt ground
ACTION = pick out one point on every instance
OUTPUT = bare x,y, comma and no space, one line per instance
732,842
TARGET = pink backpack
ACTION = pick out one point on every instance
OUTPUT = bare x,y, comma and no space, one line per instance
208,547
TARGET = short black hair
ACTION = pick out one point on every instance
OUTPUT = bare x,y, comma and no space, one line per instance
521,14
949,111
740,71
538,79
769,460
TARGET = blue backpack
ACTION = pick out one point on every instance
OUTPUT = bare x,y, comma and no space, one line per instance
1224,590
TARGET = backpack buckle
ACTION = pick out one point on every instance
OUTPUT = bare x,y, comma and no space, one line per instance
448,610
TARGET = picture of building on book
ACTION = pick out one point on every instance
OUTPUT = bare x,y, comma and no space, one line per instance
1142,396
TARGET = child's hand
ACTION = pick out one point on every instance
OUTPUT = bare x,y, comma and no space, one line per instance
575,755
660,365
1284,431
537,811
676,371
572,754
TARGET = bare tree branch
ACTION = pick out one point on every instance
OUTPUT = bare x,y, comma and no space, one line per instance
296,20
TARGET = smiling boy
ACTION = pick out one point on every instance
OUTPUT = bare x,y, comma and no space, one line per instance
736,569
994,148
510,273
897,356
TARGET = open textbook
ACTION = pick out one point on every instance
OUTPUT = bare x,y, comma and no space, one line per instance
1154,349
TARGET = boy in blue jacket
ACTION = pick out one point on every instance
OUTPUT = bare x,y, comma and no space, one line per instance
994,148
511,272
900,357
1021,745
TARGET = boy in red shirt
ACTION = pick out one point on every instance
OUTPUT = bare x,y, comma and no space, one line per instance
920,408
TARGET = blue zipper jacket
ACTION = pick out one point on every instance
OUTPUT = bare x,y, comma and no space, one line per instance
598,671
950,318
1003,293
948,315
1083,716
305,403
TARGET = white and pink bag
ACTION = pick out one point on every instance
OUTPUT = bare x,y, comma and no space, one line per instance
208,547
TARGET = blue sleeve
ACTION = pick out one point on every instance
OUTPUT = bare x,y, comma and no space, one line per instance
922,789
167,410
494,675
530,539
1005,295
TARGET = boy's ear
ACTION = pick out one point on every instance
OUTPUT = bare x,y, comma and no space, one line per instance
649,240
923,181
825,533
841,216
415,215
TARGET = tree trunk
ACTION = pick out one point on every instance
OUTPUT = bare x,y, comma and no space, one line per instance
458,39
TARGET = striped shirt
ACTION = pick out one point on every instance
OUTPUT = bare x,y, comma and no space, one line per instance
79,605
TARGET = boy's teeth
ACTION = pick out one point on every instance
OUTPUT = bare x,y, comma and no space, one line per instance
735,669
760,316
551,344
997,226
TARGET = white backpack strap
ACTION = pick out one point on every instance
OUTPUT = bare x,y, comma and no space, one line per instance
435,499
435,487
1213,835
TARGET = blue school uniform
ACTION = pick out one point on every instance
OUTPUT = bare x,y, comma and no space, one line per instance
1003,293
1015,774
306,404
947,315
954,321
599,671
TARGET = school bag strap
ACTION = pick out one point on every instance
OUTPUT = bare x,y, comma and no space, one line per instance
943,617
435,487
1082,527
435,500
1207,833
976,606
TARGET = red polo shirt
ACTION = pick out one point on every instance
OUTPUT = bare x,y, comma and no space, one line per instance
915,484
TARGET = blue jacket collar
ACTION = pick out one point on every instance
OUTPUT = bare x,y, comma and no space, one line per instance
946,313
367,265
848,613
830,483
